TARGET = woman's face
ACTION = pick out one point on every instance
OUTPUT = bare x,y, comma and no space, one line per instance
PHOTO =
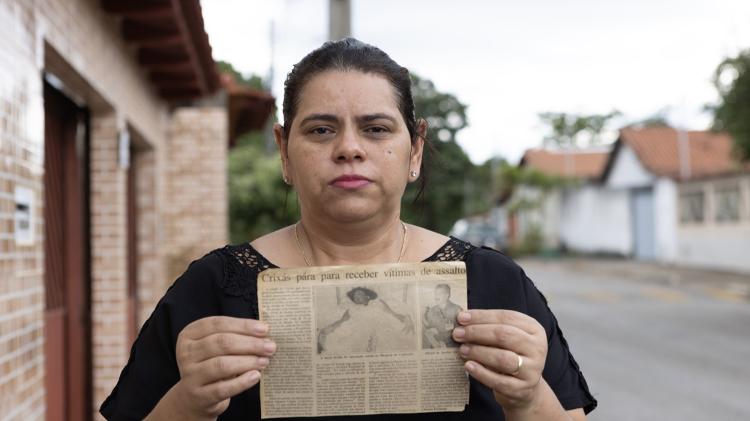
360,297
349,153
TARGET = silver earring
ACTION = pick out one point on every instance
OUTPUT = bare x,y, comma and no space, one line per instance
286,179
413,173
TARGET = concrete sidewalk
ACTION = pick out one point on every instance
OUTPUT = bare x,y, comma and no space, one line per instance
726,285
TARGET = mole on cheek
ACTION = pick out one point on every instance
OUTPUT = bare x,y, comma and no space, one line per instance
389,151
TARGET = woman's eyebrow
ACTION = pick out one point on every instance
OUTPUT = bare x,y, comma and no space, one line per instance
320,117
371,117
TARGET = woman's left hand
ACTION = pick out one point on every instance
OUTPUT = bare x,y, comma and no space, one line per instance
505,350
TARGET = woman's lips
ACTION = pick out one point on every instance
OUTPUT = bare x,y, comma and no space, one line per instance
350,181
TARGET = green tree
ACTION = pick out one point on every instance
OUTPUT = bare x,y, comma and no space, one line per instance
452,178
658,119
732,113
445,114
252,81
259,200
575,130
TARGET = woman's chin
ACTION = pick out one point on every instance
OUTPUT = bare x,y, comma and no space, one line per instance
352,212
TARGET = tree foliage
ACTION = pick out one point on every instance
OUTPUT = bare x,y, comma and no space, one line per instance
658,119
445,114
732,113
455,185
252,81
259,200
511,176
575,130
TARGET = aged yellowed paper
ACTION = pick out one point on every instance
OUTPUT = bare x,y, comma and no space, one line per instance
355,340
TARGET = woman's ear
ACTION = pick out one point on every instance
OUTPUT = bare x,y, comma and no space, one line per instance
417,150
282,143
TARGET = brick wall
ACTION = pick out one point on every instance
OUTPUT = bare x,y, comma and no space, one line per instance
109,258
81,45
21,266
180,159
150,271
195,206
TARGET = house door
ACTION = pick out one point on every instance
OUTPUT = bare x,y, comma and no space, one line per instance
643,223
66,272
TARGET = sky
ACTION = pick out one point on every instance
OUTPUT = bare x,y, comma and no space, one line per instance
511,60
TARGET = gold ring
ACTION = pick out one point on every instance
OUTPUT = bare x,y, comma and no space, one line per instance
520,364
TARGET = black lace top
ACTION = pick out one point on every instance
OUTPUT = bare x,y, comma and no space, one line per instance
224,283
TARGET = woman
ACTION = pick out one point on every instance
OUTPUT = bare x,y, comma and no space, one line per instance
349,145
367,325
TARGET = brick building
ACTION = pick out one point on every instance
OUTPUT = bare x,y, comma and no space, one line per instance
114,129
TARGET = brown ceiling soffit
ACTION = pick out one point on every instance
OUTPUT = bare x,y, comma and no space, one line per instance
248,111
172,45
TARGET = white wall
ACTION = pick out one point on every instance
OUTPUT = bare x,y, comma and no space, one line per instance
665,219
499,219
544,214
628,172
717,245
596,219
550,212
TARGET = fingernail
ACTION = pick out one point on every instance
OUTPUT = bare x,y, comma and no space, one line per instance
260,328
263,362
470,366
464,350
459,332
464,316
269,346
254,375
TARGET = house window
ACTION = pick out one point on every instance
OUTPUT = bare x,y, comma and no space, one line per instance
727,204
692,207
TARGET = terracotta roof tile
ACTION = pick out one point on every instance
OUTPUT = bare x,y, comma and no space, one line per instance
249,109
575,164
658,150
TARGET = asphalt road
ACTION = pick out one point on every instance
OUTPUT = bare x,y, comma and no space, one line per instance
654,343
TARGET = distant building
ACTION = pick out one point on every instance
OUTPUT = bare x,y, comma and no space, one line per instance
114,131
688,197
541,209
660,195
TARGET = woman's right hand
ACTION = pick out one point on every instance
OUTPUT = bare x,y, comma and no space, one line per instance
219,357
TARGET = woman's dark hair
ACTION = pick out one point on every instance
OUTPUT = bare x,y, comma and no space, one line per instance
352,54
371,295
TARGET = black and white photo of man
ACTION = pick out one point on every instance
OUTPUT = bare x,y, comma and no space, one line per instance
439,320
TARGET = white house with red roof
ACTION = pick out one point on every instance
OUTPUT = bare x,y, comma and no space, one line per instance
688,197
661,194
541,210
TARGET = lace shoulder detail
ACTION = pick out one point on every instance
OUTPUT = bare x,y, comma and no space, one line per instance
242,264
453,250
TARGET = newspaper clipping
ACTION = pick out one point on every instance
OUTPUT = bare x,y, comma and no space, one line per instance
356,340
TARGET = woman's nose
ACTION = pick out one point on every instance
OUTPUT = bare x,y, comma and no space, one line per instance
349,147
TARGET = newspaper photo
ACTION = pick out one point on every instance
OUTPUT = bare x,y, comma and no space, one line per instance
357,340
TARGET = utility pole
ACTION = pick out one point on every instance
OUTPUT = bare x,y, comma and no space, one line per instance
683,152
270,142
339,19
683,145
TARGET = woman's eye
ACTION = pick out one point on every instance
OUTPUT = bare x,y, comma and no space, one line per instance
321,131
377,130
